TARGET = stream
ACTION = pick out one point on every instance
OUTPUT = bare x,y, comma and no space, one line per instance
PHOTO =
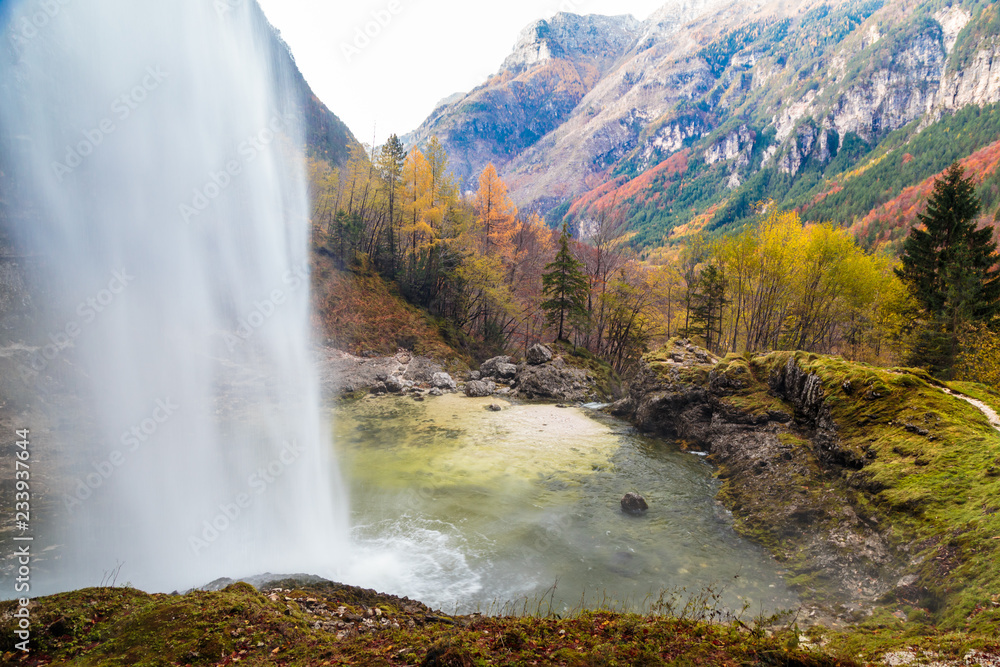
471,510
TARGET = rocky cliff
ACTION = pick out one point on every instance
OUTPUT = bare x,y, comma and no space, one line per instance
555,63
764,88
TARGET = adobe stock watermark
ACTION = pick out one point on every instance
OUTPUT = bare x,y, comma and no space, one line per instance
267,308
87,312
364,35
121,108
131,440
35,19
219,181
229,513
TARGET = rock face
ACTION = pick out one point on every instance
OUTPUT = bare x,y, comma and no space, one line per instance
538,355
633,503
554,64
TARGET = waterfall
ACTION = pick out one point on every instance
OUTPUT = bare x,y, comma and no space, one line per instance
157,152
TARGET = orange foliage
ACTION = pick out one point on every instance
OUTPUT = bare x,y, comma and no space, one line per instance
362,312
640,189
898,216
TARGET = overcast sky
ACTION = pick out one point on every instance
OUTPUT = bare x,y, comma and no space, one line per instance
422,51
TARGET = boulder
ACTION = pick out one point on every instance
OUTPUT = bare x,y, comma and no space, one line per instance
506,372
538,355
497,367
443,381
394,384
479,389
555,381
436,392
475,375
633,503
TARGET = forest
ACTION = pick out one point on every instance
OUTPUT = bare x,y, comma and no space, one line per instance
499,279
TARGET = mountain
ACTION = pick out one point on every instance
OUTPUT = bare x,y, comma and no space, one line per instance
327,137
713,106
554,64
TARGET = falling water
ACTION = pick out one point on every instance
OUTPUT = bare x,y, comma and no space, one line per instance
157,152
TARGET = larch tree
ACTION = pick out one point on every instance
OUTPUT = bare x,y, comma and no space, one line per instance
495,211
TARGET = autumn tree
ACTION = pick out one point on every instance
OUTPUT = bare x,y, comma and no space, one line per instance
566,287
496,213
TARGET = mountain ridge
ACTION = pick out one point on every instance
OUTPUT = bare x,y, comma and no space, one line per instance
773,101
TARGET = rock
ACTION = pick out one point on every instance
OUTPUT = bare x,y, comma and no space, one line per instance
506,371
479,389
633,503
494,408
492,367
421,370
538,355
394,384
443,381
436,392
475,375
555,381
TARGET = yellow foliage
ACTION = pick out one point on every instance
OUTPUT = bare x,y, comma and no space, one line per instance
980,357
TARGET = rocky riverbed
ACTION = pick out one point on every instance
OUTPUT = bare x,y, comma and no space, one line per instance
541,375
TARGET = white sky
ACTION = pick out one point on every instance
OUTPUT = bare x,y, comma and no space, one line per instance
428,50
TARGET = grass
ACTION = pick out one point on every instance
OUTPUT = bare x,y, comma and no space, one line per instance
239,625
919,466
925,472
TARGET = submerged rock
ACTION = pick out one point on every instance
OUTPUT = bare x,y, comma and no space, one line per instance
633,503
538,355
479,389
493,407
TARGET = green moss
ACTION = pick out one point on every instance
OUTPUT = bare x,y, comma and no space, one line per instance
241,626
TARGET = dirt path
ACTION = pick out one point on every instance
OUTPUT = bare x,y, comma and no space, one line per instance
979,405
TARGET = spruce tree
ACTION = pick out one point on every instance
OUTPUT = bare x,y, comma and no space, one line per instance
565,286
709,302
949,266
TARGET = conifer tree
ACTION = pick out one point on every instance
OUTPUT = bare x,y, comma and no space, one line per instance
709,302
566,287
949,266
390,164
